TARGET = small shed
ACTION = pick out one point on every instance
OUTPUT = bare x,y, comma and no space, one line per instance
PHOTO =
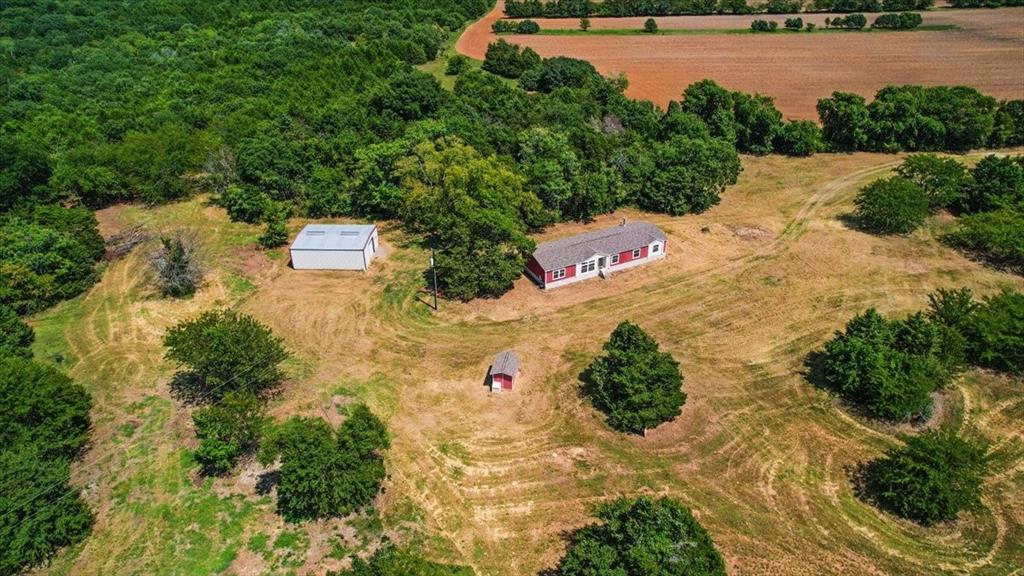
504,371
334,247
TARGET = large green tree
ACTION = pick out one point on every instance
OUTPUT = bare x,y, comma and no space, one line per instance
227,430
642,537
635,384
42,410
224,351
891,206
16,337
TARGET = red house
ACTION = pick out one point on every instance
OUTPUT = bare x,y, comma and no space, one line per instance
504,371
597,253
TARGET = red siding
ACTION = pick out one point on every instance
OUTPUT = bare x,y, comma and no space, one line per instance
627,256
504,381
570,271
534,267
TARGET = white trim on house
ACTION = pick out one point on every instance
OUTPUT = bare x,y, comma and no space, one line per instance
612,259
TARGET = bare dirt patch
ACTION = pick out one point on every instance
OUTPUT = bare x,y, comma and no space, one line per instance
796,69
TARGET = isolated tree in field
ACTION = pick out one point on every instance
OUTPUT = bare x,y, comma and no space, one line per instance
226,351
326,474
177,267
650,26
227,430
16,337
943,180
930,479
890,367
636,385
584,24
642,537
891,206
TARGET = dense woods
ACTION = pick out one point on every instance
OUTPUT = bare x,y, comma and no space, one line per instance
612,8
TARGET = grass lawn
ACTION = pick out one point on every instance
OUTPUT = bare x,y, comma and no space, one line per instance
495,481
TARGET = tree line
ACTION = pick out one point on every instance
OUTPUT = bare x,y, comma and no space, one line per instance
625,8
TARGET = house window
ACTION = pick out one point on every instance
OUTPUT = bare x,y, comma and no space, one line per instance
656,248
558,274
615,258
588,266
636,253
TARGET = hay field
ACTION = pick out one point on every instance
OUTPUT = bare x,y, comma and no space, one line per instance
986,52
496,481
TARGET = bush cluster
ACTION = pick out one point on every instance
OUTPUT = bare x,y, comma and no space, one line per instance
764,25
512,27
898,21
855,21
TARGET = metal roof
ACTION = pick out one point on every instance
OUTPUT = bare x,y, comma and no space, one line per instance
604,242
506,362
333,237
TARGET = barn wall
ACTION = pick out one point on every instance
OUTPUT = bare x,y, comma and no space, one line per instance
327,260
372,243
535,269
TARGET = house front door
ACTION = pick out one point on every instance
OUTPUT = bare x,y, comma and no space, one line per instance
601,262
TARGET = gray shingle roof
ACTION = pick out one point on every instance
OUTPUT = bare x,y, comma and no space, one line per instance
607,241
506,362
333,237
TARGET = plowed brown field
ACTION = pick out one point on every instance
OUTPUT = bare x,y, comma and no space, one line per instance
986,52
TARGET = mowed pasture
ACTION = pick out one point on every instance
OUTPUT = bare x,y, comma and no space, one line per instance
497,481
986,52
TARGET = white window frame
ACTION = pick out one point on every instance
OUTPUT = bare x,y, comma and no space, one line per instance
558,274
587,266
656,248
637,252
615,258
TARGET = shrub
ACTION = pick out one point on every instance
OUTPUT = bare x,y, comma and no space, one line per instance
996,237
584,24
227,351
650,26
764,26
634,384
276,233
855,21
890,368
891,206
16,337
457,64
794,23
799,138
326,474
943,180
930,479
176,263
245,203
905,5
642,537
227,430
811,26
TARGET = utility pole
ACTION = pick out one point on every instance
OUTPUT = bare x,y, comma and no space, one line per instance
434,270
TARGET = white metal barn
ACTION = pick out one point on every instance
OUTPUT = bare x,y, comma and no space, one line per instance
335,247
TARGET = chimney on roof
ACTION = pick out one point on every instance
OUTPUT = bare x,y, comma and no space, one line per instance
623,222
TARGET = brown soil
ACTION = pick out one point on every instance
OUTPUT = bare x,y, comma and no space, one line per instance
987,52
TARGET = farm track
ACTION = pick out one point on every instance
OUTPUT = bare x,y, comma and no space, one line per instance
761,456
